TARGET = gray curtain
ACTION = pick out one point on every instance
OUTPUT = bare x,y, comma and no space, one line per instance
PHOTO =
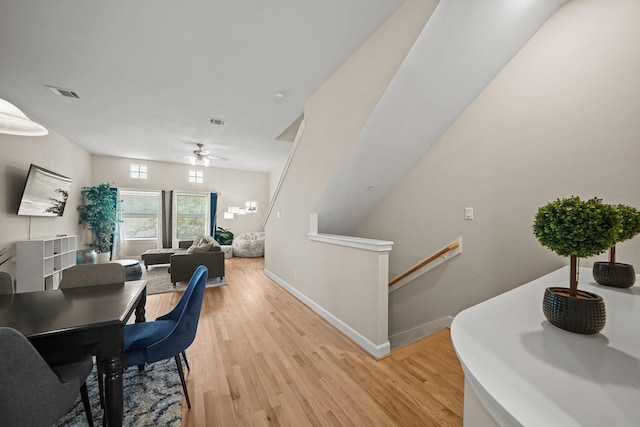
167,218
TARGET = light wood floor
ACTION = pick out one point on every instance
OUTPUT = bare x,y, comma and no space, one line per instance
262,358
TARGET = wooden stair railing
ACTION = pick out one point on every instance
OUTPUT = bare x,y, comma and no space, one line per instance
425,262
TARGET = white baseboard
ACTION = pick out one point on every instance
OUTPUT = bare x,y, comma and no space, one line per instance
377,351
418,332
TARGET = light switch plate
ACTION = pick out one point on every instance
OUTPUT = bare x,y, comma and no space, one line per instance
468,213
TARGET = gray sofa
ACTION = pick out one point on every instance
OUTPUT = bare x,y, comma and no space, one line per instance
163,256
204,251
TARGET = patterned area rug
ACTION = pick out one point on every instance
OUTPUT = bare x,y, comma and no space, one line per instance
160,280
151,398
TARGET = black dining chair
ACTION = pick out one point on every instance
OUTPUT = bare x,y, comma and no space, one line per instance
32,393
92,274
6,283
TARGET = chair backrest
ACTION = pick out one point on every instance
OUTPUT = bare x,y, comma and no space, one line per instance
6,283
28,383
186,315
92,274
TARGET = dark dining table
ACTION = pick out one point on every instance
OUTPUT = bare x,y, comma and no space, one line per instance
63,322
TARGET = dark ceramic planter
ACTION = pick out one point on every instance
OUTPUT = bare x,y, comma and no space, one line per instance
618,275
584,314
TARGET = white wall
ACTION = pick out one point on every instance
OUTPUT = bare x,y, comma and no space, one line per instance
52,152
234,188
561,119
460,50
337,279
274,178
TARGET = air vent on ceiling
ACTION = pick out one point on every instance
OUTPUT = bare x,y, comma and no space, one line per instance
63,92
218,122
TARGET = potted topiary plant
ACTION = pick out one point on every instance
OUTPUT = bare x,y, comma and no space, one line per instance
575,228
614,273
100,214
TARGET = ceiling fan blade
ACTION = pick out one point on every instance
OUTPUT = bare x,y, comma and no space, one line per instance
224,159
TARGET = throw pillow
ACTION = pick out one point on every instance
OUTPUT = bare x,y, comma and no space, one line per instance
201,240
207,247
208,239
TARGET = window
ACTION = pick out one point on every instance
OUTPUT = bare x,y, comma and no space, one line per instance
192,212
138,171
140,214
195,176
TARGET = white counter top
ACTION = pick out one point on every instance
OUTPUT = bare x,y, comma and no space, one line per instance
526,371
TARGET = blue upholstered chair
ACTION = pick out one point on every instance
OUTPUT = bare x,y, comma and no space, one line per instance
32,393
169,335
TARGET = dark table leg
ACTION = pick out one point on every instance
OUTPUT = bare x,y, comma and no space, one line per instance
140,308
113,368
140,315
113,391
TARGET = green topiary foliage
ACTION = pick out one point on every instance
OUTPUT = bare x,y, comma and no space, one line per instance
630,224
572,227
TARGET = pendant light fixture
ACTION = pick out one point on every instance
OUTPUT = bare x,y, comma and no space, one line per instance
199,160
15,122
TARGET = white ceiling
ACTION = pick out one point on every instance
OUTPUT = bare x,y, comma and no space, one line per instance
150,73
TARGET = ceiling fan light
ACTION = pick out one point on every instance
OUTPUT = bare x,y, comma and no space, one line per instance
192,160
14,122
206,162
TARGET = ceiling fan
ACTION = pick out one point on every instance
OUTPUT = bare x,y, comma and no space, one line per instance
201,157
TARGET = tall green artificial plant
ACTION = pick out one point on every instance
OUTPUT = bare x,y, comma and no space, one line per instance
100,215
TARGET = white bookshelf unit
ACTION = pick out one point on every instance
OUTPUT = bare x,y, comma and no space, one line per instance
40,261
